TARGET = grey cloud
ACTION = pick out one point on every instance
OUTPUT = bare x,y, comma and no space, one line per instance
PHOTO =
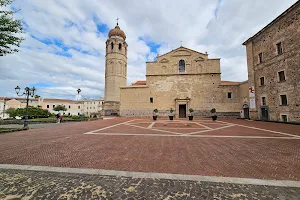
164,22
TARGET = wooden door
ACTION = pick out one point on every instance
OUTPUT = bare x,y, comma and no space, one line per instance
182,111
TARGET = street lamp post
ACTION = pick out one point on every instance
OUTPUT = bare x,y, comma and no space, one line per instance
4,104
78,92
28,92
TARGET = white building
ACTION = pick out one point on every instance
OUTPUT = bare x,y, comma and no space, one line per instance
3,108
92,106
87,107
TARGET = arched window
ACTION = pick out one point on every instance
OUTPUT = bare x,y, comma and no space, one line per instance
181,66
112,45
120,46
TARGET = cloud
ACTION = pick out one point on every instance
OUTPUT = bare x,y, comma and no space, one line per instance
65,40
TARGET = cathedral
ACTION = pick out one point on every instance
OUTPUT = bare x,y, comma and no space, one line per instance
180,79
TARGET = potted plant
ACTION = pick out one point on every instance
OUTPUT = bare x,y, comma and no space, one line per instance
213,116
155,111
191,114
171,115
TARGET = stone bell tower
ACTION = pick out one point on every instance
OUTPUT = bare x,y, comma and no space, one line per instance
115,70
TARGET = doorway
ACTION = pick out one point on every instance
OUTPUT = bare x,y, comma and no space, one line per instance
264,114
246,113
182,111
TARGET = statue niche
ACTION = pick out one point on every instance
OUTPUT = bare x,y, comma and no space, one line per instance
199,68
164,69
164,60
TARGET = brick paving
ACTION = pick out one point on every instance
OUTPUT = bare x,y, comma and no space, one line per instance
67,146
17,184
287,128
236,131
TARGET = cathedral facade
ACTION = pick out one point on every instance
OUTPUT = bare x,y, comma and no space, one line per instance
180,79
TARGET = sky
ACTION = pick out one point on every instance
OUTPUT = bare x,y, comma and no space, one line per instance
65,40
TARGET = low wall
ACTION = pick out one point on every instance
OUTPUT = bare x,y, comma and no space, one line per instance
165,113
136,113
17,121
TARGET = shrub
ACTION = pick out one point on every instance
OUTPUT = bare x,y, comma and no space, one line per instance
191,110
171,110
75,117
213,110
33,112
155,110
59,108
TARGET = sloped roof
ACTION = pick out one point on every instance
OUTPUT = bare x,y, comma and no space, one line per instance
181,47
230,83
139,83
16,98
61,100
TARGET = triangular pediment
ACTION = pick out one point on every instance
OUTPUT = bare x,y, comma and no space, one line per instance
182,53
199,59
164,60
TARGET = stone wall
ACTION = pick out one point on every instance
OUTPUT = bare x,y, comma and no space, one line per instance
135,101
286,29
111,108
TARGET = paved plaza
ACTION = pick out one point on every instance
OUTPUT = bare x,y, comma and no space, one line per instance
229,148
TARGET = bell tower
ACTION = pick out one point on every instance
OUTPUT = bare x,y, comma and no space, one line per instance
115,70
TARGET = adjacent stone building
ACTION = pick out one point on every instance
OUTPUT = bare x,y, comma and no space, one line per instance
273,58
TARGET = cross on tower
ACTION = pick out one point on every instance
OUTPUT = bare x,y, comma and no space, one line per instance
180,42
117,21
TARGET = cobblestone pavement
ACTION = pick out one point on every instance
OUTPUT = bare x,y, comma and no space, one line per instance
20,184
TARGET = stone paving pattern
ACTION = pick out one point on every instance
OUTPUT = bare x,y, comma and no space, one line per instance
17,184
67,146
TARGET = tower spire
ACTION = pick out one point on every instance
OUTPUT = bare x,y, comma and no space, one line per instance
117,21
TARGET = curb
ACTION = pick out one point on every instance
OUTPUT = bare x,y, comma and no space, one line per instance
198,178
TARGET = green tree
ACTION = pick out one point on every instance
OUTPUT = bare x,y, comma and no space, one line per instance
11,112
10,30
37,112
59,108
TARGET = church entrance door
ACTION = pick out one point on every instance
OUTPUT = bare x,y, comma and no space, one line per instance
182,111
